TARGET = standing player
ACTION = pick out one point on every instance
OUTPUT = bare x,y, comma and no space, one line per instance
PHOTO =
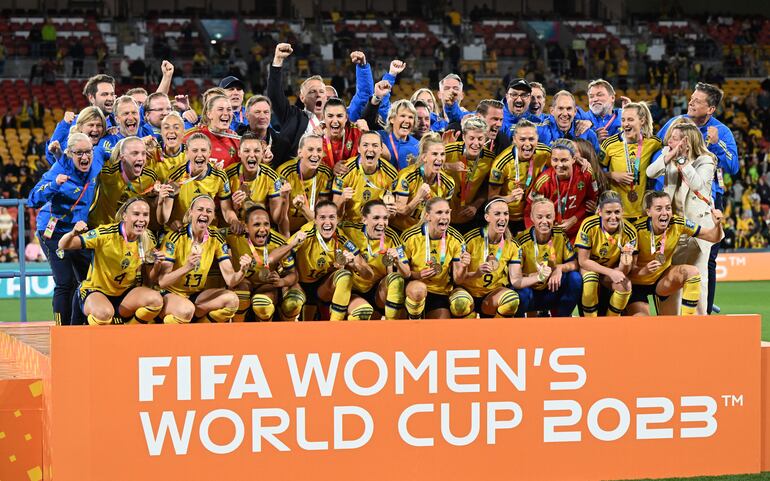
421,181
382,248
189,255
341,137
438,260
489,274
607,251
163,158
515,170
113,291
545,275
326,261
368,177
659,233
215,124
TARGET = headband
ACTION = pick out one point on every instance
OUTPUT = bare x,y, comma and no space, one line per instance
489,204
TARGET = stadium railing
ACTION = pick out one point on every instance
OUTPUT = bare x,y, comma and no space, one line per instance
22,273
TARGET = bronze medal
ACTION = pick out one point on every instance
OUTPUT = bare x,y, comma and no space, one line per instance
388,260
493,262
660,257
263,273
245,189
298,203
633,196
436,265
339,258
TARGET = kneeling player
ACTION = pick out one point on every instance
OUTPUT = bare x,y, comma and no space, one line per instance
606,253
382,248
545,275
659,233
189,254
112,292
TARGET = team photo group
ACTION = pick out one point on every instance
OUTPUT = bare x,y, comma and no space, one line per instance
260,208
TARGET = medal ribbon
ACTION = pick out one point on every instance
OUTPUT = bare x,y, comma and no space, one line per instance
499,253
264,261
442,254
633,167
562,201
332,158
612,119
467,177
311,201
367,181
653,249
697,193
139,249
395,147
551,251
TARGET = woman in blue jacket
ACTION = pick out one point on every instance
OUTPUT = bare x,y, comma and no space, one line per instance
64,195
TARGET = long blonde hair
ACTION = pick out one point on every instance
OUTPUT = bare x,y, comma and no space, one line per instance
208,105
643,111
89,114
431,138
145,243
695,143
417,93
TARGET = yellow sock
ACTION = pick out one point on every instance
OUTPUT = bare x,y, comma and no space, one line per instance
263,307
243,306
618,302
343,282
461,304
690,295
145,314
291,305
415,309
394,298
590,299
172,319
361,313
509,304
221,315
93,321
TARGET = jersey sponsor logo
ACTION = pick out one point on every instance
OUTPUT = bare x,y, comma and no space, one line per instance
690,224
91,234
584,238
170,248
225,248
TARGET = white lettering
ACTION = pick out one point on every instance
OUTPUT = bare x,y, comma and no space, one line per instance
624,420
313,369
550,435
339,414
147,377
268,432
493,424
643,431
209,376
429,363
250,366
518,378
446,429
453,371
577,369
167,424
382,375
237,436
403,428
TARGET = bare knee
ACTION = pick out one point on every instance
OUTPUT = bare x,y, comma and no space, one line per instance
230,299
416,290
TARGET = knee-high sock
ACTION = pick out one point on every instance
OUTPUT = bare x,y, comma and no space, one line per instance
394,298
93,321
224,314
243,306
509,304
461,304
172,319
690,295
415,309
146,314
291,305
361,313
590,298
618,302
343,283
263,307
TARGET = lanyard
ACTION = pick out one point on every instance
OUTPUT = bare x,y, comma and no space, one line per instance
323,243
311,201
694,191
330,150
438,180
562,201
609,122
467,177
662,241
530,168
633,167
442,254
264,261
77,201
367,181
499,252
242,176
551,251
381,250
395,147
139,250
610,238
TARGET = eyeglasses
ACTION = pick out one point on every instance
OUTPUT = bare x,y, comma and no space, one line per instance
522,96
82,153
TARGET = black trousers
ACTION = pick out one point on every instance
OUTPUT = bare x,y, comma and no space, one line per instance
712,265
67,275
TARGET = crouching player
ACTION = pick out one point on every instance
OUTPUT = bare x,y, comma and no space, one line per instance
113,290
492,252
545,275
606,246
325,261
271,280
189,254
659,233
382,248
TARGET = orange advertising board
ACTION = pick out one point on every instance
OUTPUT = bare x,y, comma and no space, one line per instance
743,266
547,399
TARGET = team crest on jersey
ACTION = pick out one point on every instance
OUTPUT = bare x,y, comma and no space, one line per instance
321,262
338,182
581,185
603,252
77,189
367,196
125,263
231,151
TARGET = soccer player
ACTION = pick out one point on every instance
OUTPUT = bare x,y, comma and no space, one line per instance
215,124
420,181
515,170
127,121
326,261
437,260
196,176
607,250
382,248
167,156
545,275
659,233
489,274
340,136
123,252
189,255
123,178
468,162
271,279
627,156
571,188
368,177
309,179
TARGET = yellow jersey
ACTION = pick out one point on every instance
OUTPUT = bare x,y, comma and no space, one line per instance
370,250
420,253
605,247
177,249
164,164
314,258
479,249
214,182
117,265
265,185
557,250
650,245
621,157
239,245
504,174
468,184
114,189
408,183
366,187
312,188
